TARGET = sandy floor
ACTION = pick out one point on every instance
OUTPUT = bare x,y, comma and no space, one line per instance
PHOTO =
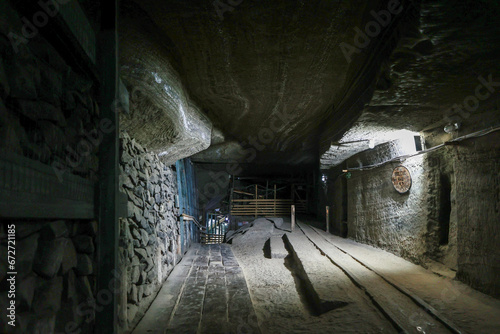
278,305
281,307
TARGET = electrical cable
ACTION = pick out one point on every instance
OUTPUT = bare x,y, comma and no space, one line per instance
476,134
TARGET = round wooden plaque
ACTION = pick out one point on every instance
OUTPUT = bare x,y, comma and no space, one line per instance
401,179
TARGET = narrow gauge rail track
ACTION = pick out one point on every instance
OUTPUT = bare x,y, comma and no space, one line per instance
405,311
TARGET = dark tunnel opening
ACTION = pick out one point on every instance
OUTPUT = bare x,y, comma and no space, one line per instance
444,210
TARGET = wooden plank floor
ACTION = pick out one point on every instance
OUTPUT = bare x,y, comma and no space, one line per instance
206,293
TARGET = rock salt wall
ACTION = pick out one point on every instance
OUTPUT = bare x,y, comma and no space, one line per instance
162,114
56,276
450,215
477,180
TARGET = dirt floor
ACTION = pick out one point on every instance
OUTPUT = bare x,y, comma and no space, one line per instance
376,290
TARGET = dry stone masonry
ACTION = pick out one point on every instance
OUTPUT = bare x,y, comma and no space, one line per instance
56,276
150,235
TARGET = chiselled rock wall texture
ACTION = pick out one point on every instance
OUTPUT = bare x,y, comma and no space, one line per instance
380,216
56,276
450,215
150,242
477,167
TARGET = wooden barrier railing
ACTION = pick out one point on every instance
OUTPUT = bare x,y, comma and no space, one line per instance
265,207
208,239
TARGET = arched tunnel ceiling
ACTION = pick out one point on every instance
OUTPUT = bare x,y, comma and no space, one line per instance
265,59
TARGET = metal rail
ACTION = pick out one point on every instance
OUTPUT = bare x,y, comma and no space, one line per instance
206,236
191,218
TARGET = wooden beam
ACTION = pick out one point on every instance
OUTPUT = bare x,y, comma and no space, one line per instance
275,199
107,257
293,217
243,192
256,198
69,32
327,219
231,197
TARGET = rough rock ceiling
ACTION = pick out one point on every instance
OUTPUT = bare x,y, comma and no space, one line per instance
259,60
162,116
458,41
432,70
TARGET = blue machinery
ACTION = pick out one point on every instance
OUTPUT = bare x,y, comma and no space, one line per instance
190,229
187,203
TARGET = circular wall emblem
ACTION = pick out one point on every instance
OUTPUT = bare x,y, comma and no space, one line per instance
401,179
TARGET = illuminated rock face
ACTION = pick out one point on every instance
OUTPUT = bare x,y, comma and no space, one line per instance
428,81
162,115
449,215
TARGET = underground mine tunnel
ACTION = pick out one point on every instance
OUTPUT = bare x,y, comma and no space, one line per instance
243,166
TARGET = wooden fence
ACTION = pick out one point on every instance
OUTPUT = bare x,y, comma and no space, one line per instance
266,207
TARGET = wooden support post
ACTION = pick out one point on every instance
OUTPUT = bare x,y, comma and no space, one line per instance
256,201
107,257
327,219
275,199
293,217
307,196
231,196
